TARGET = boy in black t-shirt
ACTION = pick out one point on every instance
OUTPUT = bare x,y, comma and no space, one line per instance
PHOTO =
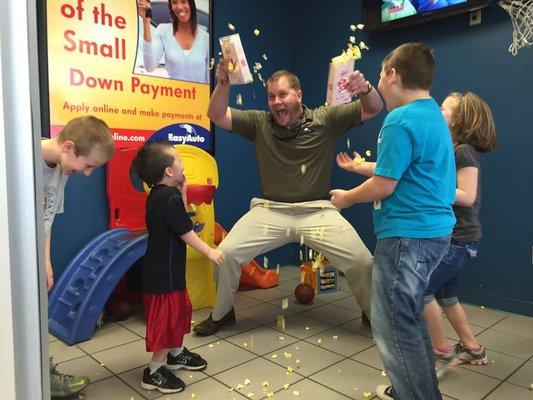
166,302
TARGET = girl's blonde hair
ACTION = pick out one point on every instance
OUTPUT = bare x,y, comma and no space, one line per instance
473,123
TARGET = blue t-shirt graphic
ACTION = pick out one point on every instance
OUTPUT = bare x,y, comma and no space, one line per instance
415,148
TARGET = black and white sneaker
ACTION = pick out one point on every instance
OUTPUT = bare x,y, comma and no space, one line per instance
187,360
384,392
162,380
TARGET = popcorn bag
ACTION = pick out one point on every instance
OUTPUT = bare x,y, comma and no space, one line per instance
239,72
340,69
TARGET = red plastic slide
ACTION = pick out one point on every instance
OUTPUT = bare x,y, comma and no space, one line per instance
252,273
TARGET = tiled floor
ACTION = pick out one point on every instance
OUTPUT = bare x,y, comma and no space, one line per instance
332,355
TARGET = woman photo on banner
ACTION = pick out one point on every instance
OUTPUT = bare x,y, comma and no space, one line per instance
182,44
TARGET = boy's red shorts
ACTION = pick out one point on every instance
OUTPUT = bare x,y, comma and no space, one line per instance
168,319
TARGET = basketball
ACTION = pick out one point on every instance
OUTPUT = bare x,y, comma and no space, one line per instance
304,293
118,308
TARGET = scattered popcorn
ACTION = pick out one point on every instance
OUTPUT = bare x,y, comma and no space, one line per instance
368,153
193,396
211,346
335,337
274,356
298,363
339,371
287,355
245,344
218,343
265,384
492,361
359,160
238,99
352,39
303,168
250,395
286,386
383,373
240,386
306,328
296,347
256,32
246,382
355,388
281,338
296,393
319,342
230,389
231,27
367,395
270,395
284,303
289,370
264,56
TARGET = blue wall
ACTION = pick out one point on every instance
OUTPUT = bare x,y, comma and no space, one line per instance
303,35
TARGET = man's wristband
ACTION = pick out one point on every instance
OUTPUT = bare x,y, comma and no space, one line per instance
370,87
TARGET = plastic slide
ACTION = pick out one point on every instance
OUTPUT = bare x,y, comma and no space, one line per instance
83,289
252,273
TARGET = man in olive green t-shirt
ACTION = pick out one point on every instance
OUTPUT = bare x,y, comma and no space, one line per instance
295,149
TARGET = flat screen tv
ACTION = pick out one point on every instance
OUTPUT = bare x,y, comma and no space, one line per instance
388,14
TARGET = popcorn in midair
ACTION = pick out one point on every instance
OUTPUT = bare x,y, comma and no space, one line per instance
265,57
238,99
362,45
231,27
256,32
368,153
211,63
352,39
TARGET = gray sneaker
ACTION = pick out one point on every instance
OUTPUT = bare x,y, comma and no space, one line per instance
64,385
467,355
444,363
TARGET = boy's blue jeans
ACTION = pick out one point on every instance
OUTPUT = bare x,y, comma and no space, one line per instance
403,267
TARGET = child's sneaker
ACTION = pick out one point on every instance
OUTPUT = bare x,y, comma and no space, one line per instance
444,363
162,380
467,355
384,392
64,385
187,360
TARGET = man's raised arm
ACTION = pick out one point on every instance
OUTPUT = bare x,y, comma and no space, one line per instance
219,111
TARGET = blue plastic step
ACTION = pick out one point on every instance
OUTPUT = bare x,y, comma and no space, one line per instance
83,289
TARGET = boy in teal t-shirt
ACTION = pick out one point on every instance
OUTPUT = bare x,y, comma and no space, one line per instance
412,185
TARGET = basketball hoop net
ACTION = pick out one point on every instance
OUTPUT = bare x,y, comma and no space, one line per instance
521,13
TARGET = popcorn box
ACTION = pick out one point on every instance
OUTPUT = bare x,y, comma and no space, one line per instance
339,71
239,71
322,280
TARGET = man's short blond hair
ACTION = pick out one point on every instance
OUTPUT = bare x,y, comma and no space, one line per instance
87,132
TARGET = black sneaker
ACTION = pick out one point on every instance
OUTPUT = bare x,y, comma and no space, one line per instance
384,392
210,326
162,380
186,360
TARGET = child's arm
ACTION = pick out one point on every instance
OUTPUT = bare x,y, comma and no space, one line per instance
192,239
357,164
48,262
466,192
373,189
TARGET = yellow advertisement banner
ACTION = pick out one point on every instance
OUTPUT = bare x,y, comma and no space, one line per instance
95,66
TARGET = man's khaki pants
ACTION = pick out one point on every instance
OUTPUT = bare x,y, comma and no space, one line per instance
269,225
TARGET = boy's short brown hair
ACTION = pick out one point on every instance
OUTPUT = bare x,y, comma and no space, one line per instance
87,132
151,161
414,62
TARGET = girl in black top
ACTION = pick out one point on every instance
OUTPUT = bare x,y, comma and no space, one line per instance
472,127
